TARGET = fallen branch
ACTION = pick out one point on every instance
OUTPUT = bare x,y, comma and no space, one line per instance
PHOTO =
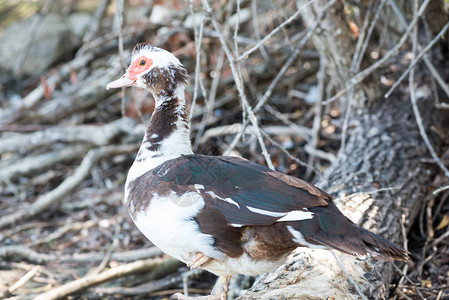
25,252
165,271
92,280
238,127
63,230
83,96
124,256
67,185
41,162
146,288
21,282
114,199
318,117
441,189
29,101
40,258
90,134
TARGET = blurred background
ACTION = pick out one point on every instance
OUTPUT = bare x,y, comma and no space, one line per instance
66,142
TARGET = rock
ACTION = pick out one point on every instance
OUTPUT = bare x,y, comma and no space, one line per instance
54,37
160,14
78,24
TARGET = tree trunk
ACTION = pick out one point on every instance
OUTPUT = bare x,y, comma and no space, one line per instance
379,180
383,151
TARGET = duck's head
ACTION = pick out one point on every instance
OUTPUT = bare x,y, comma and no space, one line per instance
153,68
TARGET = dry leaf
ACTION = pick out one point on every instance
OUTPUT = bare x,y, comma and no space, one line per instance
444,222
354,29
47,88
426,283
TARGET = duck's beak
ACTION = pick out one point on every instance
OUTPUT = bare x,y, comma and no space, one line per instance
121,82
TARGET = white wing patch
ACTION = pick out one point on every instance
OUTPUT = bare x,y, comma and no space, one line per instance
299,238
198,187
229,200
297,215
266,212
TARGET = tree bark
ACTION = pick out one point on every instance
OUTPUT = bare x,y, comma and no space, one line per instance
379,180
383,151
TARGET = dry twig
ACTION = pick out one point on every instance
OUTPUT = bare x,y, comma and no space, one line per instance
44,201
21,282
413,100
36,257
274,31
417,59
92,280
90,134
281,73
392,52
238,83
427,61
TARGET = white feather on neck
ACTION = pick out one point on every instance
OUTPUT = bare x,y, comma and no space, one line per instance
176,144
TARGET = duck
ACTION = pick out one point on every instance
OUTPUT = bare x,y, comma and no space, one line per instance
223,214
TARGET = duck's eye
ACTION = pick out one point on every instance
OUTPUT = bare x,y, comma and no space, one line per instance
142,62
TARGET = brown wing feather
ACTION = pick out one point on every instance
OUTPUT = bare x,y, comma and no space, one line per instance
301,184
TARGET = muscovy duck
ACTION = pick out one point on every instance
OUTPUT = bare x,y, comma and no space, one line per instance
224,214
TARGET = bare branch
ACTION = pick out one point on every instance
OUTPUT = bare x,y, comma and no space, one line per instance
36,257
238,83
96,20
441,189
119,18
417,59
318,111
210,100
94,135
392,52
358,54
274,31
39,162
297,160
21,282
356,286
281,73
92,280
255,19
418,118
198,34
427,61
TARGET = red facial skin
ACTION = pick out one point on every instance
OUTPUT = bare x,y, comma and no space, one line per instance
138,66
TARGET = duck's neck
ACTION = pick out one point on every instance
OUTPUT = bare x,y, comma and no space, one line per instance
167,136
